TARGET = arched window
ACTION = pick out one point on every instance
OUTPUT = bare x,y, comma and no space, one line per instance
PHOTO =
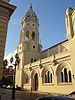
27,35
45,78
65,75
33,36
61,76
48,77
51,78
70,78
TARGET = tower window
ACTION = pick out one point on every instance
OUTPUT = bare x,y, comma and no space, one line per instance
28,16
34,60
33,15
33,46
20,48
33,36
28,24
27,34
31,60
33,24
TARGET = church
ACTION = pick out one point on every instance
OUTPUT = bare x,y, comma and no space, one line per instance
51,70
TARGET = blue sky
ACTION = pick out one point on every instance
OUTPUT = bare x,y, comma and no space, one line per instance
51,15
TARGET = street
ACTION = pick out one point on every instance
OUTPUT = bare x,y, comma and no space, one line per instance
21,95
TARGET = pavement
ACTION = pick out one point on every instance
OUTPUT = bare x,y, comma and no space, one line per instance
22,95
19,95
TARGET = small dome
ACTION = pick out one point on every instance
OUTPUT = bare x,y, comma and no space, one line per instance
31,14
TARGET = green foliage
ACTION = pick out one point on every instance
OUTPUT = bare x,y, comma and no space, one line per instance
7,80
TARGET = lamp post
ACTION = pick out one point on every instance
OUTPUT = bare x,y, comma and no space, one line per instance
17,60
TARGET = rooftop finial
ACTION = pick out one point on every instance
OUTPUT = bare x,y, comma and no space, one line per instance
30,6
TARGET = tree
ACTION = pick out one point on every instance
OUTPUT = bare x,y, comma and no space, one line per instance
7,80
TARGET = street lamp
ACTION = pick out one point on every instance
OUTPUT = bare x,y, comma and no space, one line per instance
17,60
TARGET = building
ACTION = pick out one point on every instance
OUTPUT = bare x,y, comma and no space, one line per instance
6,11
51,70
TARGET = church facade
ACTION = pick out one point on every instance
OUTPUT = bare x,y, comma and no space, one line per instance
51,70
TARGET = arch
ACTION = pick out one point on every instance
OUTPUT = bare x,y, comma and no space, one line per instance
47,75
62,77
34,72
36,82
33,35
64,73
27,35
62,65
35,79
28,24
46,69
70,78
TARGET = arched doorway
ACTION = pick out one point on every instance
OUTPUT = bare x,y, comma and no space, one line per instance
36,82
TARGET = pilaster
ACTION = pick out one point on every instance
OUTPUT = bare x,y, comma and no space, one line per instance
6,11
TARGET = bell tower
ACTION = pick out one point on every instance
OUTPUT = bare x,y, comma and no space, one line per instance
29,47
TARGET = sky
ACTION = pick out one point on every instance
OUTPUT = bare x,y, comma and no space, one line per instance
51,15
